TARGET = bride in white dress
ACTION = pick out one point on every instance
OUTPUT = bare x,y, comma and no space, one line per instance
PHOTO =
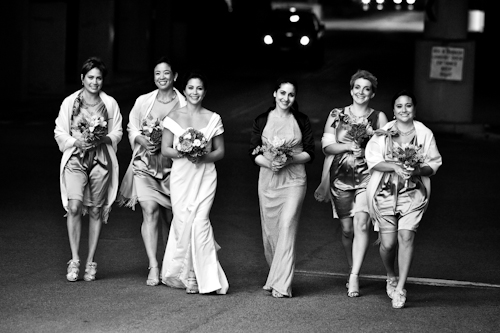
190,259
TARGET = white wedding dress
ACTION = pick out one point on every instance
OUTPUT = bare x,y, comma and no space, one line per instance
191,244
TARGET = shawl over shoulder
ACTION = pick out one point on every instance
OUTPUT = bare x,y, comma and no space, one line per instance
375,153
141,109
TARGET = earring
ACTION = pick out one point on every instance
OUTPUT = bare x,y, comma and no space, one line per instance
394,117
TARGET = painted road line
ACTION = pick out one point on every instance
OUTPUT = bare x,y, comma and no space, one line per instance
411,280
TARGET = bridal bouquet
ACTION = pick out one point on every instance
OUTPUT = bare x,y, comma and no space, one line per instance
360,132
192,143
276,150
90,128
152,130
409,155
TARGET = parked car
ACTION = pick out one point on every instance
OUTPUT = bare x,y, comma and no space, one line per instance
295,33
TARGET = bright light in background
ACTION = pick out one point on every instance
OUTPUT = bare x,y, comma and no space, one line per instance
410,2
294,18
476,20
304,40
293,9
366,2
398,2
268,40
380,1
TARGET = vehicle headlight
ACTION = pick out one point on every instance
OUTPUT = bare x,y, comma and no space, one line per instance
304,40
268,39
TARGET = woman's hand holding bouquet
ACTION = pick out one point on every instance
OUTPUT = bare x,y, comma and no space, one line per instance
409,157
151,131
89,131
276,151
360,133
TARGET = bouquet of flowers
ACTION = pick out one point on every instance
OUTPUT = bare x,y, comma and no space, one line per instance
192,143
152,130
409,156
360,132
89,127
276,150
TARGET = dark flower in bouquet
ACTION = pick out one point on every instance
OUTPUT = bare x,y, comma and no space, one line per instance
152,130
192,143
410,156
276,151
360,132
89,127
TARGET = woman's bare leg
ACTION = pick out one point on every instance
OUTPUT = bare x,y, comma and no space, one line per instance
74,224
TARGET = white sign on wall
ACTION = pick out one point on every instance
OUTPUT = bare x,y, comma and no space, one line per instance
447,63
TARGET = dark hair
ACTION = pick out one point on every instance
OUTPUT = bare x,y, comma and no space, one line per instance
283,80
293,82
94,62
195,75
404,92
164,59
362,74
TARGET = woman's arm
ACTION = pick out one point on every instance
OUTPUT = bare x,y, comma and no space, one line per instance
391,167
217,153
382,119
167,142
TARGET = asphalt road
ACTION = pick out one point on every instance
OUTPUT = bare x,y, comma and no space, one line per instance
455,275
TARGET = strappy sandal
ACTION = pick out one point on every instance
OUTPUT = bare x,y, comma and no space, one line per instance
353,293
73,270
277,294
90,271
398,299
392,283
153,281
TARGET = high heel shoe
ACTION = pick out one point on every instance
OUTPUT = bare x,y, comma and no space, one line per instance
392,283
192,286
73,270
90,271
355,292
155,280
398,299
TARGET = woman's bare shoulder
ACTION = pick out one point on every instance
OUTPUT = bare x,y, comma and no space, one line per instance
176,114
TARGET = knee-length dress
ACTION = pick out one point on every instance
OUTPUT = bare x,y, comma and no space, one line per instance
349,174
387,193
281,195
92,176
148,175
191,243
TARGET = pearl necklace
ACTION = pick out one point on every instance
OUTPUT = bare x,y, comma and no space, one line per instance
168,101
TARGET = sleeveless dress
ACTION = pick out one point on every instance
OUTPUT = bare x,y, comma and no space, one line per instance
191,244
148,175
281,195
349,174
88,174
